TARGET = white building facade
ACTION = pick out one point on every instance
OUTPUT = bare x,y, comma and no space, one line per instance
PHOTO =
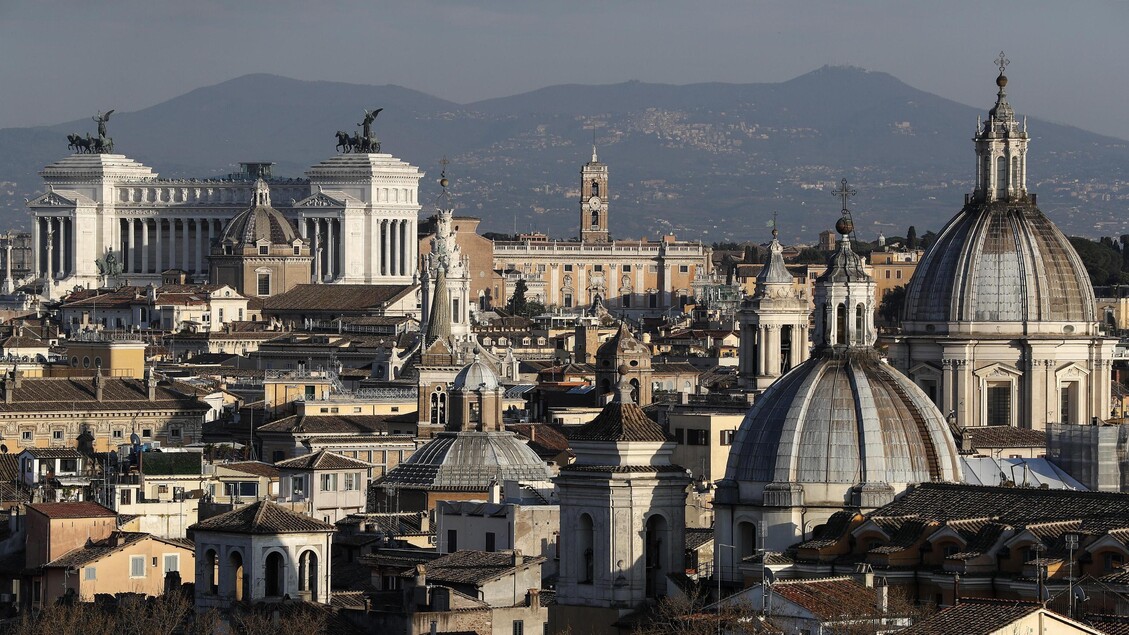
359,212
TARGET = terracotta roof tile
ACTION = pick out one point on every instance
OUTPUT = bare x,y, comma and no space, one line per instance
618,422
322,460
258,468
335,297
73,510
262,517
118,393
1006,437
973,618
472,567
831,598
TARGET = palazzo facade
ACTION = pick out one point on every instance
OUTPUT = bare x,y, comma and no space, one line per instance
358,213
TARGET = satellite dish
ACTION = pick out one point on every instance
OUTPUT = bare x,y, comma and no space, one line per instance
134,439
1080,594
4,448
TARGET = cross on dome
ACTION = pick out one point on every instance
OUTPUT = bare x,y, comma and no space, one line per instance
1002,62
844,192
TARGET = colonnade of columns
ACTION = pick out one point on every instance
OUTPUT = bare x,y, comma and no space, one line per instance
390,252
54,253
153,245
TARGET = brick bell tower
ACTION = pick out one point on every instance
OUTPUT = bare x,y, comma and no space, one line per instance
594,201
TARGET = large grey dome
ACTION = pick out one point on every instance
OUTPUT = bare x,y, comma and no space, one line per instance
470,461
476,375
999,262
843,418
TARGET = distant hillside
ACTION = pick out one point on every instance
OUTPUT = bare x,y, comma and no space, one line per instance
709,161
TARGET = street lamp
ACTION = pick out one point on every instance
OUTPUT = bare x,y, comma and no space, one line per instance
717,574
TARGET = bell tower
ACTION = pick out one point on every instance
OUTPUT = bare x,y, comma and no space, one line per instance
594,201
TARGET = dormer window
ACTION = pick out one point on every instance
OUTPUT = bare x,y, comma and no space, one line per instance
297,250
264,250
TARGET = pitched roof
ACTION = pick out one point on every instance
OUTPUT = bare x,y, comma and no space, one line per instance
9,467
322,460
63,394
1006,437
334,424
1011,505
84,509
262,517
979,617
258,468
830,598
619,421
53,453
472,567
335,297
93,551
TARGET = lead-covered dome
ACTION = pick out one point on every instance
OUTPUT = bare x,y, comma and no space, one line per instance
259,222
843,418
1000,262
476,375
468,460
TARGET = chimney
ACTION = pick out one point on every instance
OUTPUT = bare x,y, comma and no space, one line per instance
519,559
882,595
151,383
495,495
533,598
99,384
421,575
9,387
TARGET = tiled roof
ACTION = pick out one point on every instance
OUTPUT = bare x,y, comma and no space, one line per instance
258,468
1109,624
85,509
53,453
618,422
60,394
1006,437
467,461
93,551
979,617
1011,505
830,598
331,424
335,297
698,536
545,439
623,469
262,517
322,460
472,567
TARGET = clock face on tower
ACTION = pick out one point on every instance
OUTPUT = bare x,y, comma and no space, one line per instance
594,202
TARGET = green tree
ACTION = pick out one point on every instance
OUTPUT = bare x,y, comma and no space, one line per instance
517,304
911,237
890,308
1102,261
811,255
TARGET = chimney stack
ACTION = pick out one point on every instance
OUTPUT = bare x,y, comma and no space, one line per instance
99,384
151,383
518,558
533,598
882,595
10,386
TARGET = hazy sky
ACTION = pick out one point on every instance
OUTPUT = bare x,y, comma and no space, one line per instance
65,59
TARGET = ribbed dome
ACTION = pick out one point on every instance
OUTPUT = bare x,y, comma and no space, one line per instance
999,262
843,418
259,222
476,375
468,460
623,342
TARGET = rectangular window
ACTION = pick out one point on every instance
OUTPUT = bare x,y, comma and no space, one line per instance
887,274
90,573
297,250
240,315
126,496
146,433
519,627
597,267
26,436
221,315
683,268
264,284
117,434
680,435
264,250
626,268
452,541
568,267
137,566
172,562
174,433
490,541
57,435
652,300
68,465
727,437
999,404
298,485
568,300
350,482
697,437
625,301
329,482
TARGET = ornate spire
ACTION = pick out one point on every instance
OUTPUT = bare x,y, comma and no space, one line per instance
1001,148
844,294
262,194
775,272
1002,111
439,320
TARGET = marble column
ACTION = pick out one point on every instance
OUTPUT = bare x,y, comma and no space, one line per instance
144,245
331,251
50,251
199,249
157,267
317,251
394,267
384,247
184,259
36,247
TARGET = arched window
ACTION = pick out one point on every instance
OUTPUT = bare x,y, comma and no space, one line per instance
786,348
656,564
746,540
308,576
1001,176
274,574
595,218
439,406
212,571
1015,173
859,337
585,543
238,580
595,188
841,324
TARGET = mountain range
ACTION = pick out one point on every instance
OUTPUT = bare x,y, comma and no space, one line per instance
706,161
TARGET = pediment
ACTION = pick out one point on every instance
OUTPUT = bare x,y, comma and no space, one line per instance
1072,370
999,371
59,198
325,198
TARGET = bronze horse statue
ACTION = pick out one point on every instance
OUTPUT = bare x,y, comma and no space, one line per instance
343,141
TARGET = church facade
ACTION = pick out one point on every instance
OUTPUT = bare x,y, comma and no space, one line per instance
634,276
106,218
999,324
